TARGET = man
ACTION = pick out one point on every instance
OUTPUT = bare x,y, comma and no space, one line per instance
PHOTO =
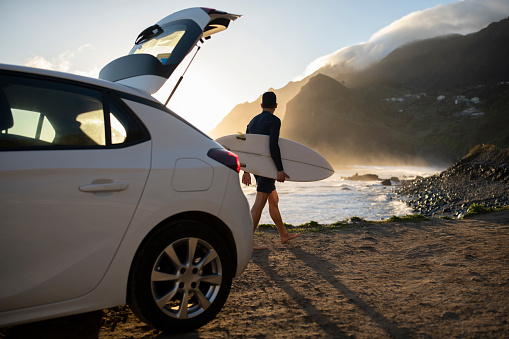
268,124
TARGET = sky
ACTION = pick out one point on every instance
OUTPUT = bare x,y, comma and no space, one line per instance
273,43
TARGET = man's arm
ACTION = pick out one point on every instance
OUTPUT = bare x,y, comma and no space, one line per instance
275,152
246,178
282,176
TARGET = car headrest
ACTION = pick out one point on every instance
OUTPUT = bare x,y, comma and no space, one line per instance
6,120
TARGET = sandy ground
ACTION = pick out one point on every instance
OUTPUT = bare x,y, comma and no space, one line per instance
433,279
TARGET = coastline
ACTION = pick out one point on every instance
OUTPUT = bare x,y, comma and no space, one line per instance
480,178
335,198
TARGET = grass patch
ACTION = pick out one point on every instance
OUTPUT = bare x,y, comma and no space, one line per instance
476,209
309,227
272,226
315,227
408,218
477,150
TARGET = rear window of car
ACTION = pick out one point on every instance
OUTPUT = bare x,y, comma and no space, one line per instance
161,45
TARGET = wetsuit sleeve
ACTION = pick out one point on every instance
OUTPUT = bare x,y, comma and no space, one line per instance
275,153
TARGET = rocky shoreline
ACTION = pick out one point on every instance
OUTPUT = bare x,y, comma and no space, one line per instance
481,177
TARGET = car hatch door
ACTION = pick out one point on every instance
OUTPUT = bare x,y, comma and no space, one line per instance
160,48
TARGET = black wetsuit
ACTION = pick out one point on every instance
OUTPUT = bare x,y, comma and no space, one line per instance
267,123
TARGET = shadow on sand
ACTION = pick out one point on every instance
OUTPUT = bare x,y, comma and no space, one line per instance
328,325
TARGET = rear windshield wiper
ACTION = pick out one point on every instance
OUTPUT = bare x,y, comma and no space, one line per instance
148,33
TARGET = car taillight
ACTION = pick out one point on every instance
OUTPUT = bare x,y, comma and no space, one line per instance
225,157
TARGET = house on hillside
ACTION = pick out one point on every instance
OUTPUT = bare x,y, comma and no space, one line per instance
472,112
475,100
414,96
394,99
460,99
440,97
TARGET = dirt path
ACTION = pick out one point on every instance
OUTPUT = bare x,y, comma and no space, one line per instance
434,279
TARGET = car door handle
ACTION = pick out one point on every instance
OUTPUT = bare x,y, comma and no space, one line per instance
105,187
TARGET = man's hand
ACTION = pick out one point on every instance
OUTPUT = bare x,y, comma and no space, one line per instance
282,176
246,179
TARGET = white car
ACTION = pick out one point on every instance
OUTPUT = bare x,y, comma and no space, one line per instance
107,197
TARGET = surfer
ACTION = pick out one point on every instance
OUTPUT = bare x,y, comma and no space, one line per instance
267,123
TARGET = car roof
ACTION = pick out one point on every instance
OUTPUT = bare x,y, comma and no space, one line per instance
78,78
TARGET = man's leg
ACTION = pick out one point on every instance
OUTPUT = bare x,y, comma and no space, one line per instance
256,214
278,221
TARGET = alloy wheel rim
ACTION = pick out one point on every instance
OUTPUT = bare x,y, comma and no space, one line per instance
186,278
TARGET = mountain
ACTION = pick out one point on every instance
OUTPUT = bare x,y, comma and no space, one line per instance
239,117
384,125
448,62
413,106
345,125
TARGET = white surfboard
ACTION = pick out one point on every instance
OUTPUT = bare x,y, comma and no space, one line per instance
300,162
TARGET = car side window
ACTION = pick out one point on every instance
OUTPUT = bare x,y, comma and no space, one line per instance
38,113
124,130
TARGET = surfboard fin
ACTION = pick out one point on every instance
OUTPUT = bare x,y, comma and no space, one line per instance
241,136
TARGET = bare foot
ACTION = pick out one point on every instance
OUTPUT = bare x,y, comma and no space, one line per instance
257,246
290,236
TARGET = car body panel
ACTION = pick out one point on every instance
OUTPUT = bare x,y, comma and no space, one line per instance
231,213
47,259
192,175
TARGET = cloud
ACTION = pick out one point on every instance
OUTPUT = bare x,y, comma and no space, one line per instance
461,17
64,62
85,46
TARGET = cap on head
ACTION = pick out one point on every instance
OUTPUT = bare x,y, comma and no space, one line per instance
269,100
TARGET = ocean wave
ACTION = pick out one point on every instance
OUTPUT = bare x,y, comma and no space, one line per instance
336,199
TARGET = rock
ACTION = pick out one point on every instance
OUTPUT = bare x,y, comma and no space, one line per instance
386,182
482,179
363,177
395,179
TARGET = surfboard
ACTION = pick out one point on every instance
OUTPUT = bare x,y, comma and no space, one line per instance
300,162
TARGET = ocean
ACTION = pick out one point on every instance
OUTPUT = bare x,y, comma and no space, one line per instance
337,199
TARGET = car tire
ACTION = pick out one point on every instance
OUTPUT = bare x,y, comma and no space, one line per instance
183,262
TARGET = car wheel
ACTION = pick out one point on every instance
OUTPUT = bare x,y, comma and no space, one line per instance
181,277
